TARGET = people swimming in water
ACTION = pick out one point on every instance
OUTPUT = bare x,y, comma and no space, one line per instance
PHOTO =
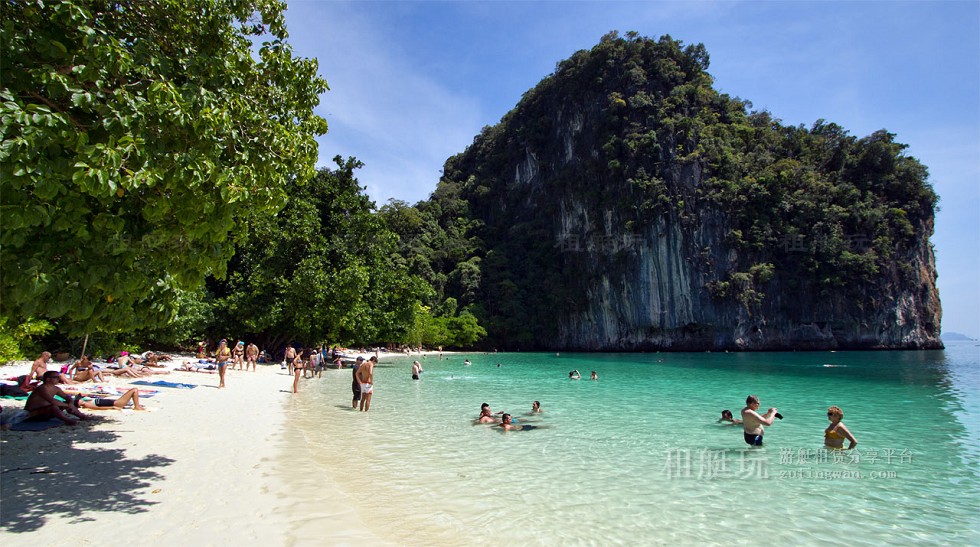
507,423
536,407
726,416
574,375
836,432
486,416
594,376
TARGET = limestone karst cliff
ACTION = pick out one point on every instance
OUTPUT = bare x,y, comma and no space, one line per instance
624,204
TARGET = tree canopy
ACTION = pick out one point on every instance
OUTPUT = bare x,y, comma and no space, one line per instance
138,139
323,269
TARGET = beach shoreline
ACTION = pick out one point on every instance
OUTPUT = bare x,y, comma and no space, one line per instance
202,466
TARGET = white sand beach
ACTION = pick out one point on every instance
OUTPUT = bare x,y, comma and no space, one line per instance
202,466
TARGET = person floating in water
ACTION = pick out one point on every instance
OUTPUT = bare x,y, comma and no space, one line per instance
574,375
467,363
594,376
836,432
536,407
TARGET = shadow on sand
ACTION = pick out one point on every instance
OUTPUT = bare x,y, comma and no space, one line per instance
66,475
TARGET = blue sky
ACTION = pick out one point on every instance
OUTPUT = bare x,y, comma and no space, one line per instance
412,82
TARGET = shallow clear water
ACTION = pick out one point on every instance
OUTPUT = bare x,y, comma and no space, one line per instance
638,457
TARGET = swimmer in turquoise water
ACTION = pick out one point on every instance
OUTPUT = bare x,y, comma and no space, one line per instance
727,418
507,423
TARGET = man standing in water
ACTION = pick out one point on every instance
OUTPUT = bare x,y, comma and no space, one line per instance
289,357
416,370
365,377
355,386
752,422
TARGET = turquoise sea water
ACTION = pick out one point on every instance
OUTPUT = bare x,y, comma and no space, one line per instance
638,458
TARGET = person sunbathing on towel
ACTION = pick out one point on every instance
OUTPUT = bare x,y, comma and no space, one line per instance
42,404
112,404
84,371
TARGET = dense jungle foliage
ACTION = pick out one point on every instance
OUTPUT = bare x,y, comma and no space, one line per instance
634,128
158,184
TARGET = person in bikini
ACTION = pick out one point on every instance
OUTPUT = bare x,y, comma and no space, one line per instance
221,357
238,355
84,371
836,432
298,368
42,405
752,421
112,404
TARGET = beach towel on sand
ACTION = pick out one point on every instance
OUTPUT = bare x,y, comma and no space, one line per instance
36,426
164,383
113,391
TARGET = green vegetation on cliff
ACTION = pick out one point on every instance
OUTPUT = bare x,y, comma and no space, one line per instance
633,134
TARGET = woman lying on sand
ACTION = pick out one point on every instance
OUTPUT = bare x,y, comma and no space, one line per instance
111,404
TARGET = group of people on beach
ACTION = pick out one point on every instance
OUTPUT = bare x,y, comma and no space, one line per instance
85,370
753,424
47,400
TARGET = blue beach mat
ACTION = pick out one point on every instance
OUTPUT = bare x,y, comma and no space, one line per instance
164,383
36,426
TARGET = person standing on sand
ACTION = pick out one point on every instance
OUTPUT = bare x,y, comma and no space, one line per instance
752,422
251,355
238,355
355,386
416,370
365,377
221,357
289,357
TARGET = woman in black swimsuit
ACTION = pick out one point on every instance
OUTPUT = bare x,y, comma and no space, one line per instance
297,370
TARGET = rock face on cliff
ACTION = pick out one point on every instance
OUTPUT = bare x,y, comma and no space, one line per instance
624,204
